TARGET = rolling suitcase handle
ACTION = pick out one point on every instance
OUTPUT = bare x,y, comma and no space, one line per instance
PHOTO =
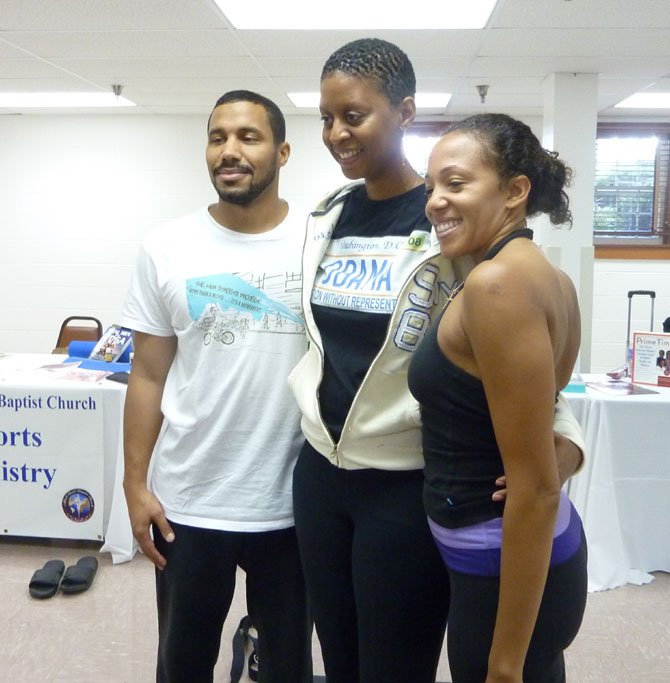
631,294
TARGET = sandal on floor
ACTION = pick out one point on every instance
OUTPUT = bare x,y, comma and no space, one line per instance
79,577
245,635
45,581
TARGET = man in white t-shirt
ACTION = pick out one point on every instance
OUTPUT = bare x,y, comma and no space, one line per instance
215,306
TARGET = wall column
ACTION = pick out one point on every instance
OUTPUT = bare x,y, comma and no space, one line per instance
569,127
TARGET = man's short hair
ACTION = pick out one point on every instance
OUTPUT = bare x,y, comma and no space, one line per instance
275,117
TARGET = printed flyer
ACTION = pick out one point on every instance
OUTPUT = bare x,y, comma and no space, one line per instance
651,358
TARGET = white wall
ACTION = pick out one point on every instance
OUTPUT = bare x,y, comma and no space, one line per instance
612,282
78,193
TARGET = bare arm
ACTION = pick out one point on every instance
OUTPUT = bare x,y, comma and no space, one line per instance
507,330
142,422
568,443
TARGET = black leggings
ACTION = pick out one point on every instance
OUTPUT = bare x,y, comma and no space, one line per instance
195,590
377,587
474,604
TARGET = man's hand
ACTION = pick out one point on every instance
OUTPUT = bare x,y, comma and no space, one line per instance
568,459
143,509
142,422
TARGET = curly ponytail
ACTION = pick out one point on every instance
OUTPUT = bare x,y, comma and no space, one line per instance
514,150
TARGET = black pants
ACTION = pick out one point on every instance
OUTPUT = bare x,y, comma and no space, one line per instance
378,590
474,604
195,590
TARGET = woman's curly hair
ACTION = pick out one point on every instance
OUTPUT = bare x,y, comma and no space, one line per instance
514,150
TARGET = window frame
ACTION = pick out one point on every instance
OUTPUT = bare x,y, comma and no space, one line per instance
631,245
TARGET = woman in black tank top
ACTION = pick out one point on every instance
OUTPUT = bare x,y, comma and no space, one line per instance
501,350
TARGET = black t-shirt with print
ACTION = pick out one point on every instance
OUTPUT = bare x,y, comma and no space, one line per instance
367,263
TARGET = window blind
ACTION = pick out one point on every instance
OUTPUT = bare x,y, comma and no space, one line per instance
632,181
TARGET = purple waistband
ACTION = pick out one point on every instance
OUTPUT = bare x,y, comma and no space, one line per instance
476,549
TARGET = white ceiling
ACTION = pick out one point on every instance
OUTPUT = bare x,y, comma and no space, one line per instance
178,56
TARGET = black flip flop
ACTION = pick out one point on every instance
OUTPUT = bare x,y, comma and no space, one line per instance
79,577
44,582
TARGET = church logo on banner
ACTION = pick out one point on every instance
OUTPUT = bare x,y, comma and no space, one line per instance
78,505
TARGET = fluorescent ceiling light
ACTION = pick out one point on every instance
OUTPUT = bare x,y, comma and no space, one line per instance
49,100
305,100
366,15
432,100
646,100
424,100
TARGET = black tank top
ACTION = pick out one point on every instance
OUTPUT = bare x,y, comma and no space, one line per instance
459,445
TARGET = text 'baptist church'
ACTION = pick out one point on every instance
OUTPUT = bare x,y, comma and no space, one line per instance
53,402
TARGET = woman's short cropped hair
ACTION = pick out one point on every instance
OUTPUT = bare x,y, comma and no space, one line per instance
379,61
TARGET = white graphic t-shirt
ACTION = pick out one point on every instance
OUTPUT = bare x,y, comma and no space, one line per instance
231,433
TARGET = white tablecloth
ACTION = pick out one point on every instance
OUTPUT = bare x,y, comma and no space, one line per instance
623,490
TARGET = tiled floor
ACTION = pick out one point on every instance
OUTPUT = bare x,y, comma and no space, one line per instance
108,634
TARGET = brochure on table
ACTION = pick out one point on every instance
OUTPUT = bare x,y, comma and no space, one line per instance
110,354
112,344
651,358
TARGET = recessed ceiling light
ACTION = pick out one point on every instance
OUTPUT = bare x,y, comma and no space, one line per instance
646,100
302,15
424,100
53,100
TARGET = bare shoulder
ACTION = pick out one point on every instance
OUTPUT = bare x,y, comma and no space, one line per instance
509,279
518,289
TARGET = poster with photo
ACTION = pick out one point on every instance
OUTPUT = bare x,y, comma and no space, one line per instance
651,358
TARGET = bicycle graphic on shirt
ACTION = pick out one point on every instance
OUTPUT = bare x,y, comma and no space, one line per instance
221,327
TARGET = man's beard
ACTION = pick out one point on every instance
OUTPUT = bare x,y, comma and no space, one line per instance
234,195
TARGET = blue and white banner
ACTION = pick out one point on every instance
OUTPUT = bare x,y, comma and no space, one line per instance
51,461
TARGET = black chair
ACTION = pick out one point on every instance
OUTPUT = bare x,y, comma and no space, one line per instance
78,328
